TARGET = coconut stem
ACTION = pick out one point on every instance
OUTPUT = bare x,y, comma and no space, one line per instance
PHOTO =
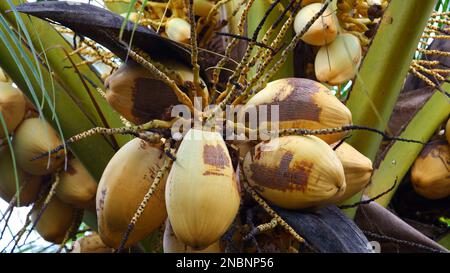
368,201
327,131
229,49
140,210
261,228
194,55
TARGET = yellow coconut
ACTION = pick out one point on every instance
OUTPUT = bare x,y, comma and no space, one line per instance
90,244
430,174
295,172
357,168
125,181
8,187
76,186
178,30
35,137
138,95
323,31
12,107
302,103
55,221
172,245
339,61
202,195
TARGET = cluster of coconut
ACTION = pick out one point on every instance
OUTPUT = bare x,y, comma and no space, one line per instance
199,197
339,52
30,137
430,174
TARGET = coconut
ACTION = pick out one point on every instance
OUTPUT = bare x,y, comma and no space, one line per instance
323,31
178,30
295,172
172,245
76,185
138,95
202,195
35,137
90,244
126,179
303,103
430,174
8,187
357,169
12,107
55,221
339,61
